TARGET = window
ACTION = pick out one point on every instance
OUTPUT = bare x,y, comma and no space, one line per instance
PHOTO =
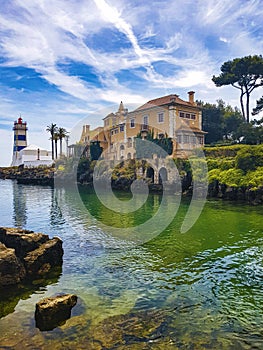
160,117
116,131
200,140
193,140
112,132
145,120
132,123
185,138
187,115
129,142
121,147
179,138
121,128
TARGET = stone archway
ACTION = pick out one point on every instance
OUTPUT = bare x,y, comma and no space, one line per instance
150,174
163,175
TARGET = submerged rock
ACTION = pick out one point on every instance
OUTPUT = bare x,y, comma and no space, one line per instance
130,329
54,311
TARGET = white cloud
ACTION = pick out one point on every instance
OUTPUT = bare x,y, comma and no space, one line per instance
224,40
43,34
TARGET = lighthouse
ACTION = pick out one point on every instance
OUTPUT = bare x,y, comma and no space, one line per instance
20,139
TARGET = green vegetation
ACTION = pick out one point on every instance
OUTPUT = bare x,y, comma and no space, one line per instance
95,150
56,134
236,166
259,106
144,151
225,125
245,74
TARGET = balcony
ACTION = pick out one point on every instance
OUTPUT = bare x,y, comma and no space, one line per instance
144,127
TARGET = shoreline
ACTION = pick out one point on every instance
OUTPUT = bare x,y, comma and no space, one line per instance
45,176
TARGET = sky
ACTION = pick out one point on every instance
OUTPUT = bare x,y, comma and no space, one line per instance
73,61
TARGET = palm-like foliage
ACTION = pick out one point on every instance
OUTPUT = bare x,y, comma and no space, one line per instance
61,133
52,129
56,144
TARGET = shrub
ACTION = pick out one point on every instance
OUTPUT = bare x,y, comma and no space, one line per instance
224,151
219,163
249,158
232,177
213,175
254,179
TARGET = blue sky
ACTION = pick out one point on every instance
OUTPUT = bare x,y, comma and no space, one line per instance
68,61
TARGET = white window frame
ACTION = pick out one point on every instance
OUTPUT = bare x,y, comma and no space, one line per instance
145,117
132,121
158,118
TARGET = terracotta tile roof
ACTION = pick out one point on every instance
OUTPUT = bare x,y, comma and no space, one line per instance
164,100
192,128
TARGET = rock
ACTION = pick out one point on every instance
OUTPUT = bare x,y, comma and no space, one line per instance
126,330
12,270
23,241
54,311
39,261
27,255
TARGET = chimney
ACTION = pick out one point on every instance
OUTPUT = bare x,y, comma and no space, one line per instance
191,95
86,128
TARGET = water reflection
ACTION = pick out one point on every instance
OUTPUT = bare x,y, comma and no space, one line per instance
208,280
19,205
56,217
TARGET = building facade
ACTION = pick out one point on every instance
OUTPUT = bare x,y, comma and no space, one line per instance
28,156
167,116
34,156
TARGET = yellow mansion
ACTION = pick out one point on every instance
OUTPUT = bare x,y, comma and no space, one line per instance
167,116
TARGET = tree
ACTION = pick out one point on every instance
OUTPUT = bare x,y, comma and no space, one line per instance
250,133
144,151
259,106
245,74
55,137
95,150
212,122
52,129
232,119
220,121
61,133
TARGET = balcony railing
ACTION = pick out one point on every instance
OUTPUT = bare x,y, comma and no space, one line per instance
144,127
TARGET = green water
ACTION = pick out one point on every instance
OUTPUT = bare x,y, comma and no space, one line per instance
195,290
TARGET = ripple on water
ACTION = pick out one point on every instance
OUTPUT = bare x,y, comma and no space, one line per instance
207,282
